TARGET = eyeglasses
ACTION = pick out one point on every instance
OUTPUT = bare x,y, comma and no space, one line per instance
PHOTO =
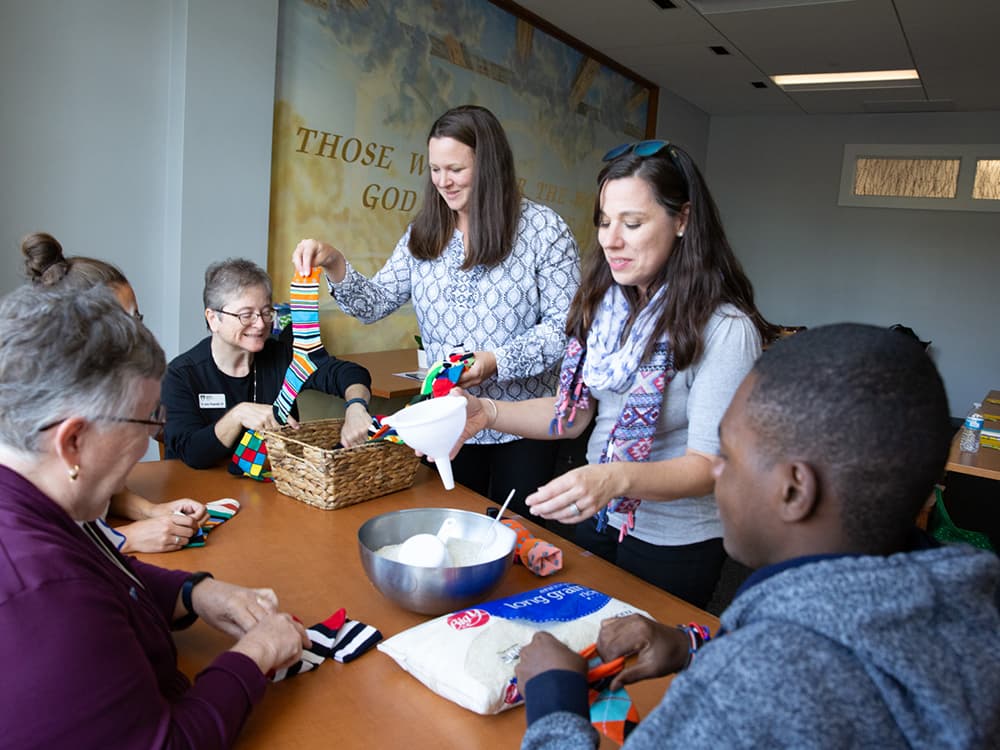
642,148
249,317
157,419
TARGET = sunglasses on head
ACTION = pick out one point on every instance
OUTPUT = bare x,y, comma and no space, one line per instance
642,148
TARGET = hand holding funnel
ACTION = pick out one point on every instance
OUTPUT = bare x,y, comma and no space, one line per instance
432,427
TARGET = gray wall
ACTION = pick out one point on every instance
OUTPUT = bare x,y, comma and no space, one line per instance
776,180
140,133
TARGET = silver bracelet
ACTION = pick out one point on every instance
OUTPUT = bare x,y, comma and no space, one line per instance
496,413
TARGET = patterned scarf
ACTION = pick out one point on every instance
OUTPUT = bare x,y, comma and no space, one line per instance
618,366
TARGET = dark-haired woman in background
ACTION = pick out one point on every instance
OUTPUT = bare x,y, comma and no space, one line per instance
663,329
156,527
485,269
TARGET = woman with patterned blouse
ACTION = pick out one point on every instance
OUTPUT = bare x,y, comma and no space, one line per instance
486,270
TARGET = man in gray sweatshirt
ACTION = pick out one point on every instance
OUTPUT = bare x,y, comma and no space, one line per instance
856,630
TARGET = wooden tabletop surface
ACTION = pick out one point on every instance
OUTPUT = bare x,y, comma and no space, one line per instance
310,558
383,365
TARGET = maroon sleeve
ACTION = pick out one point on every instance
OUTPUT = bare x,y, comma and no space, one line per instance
107,665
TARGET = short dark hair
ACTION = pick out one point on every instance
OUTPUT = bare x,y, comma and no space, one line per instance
494,201
867,408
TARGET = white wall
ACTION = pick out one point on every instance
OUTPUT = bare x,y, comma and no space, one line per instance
82,127
680,122
776,180
139,133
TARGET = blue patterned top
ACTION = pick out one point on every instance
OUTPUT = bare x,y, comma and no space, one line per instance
517,310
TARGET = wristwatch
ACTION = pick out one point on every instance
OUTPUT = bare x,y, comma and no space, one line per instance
186,588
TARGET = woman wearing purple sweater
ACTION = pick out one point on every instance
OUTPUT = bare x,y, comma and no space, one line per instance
84,632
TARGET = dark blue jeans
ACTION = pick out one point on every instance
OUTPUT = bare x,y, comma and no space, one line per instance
689,572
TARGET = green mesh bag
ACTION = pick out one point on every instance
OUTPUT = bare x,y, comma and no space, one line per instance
941,527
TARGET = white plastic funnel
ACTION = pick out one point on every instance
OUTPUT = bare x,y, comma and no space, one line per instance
432,427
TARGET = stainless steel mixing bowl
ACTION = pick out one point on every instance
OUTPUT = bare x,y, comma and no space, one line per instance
434,591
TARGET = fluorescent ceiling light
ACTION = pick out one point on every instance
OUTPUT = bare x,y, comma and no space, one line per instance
862,79
711,7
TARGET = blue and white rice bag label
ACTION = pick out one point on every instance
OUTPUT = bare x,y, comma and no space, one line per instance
558,602
469,656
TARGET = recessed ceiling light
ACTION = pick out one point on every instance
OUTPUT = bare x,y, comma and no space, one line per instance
862,79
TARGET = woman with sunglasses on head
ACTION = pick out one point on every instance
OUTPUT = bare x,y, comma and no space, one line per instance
227,383
485,269
85,632
156,527
662,331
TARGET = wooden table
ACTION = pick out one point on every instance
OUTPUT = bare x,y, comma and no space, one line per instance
310,558
383,365
986,462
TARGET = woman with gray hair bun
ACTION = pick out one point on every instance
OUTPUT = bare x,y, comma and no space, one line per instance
84,630
155,527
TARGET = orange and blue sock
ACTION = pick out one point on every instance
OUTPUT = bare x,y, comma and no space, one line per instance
307,347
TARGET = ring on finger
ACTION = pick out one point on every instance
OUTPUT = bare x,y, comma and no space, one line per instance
575,508
177,540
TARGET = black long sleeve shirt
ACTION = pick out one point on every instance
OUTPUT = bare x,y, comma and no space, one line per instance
197,394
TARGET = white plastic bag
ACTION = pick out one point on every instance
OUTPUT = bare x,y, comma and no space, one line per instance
469,656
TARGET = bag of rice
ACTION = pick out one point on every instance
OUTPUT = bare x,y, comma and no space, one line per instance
469,656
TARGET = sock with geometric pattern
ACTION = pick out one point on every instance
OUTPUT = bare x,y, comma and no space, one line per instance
250,458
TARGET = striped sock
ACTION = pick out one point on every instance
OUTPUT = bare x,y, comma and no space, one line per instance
336,636
219,511
307,347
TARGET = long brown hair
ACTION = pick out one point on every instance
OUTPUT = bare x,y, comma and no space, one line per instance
494,201
702,270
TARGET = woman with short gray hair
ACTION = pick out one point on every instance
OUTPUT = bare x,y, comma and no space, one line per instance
85,629
228,382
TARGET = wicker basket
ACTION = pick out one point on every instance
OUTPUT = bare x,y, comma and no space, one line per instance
306,467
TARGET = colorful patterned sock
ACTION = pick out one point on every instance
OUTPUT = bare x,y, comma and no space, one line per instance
250,457
443,376
219,511
439,381
540,557
611,711
343,639
307,347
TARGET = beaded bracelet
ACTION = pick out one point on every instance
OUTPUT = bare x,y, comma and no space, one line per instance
698,635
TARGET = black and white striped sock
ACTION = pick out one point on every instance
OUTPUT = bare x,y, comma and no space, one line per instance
343,639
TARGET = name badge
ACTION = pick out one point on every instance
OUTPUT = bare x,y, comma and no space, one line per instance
212,400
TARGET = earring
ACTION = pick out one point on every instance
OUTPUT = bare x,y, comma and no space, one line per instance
680,233
73,472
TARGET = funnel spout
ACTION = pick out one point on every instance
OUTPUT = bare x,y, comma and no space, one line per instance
432,427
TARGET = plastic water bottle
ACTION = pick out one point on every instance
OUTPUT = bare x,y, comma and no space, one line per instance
971,430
